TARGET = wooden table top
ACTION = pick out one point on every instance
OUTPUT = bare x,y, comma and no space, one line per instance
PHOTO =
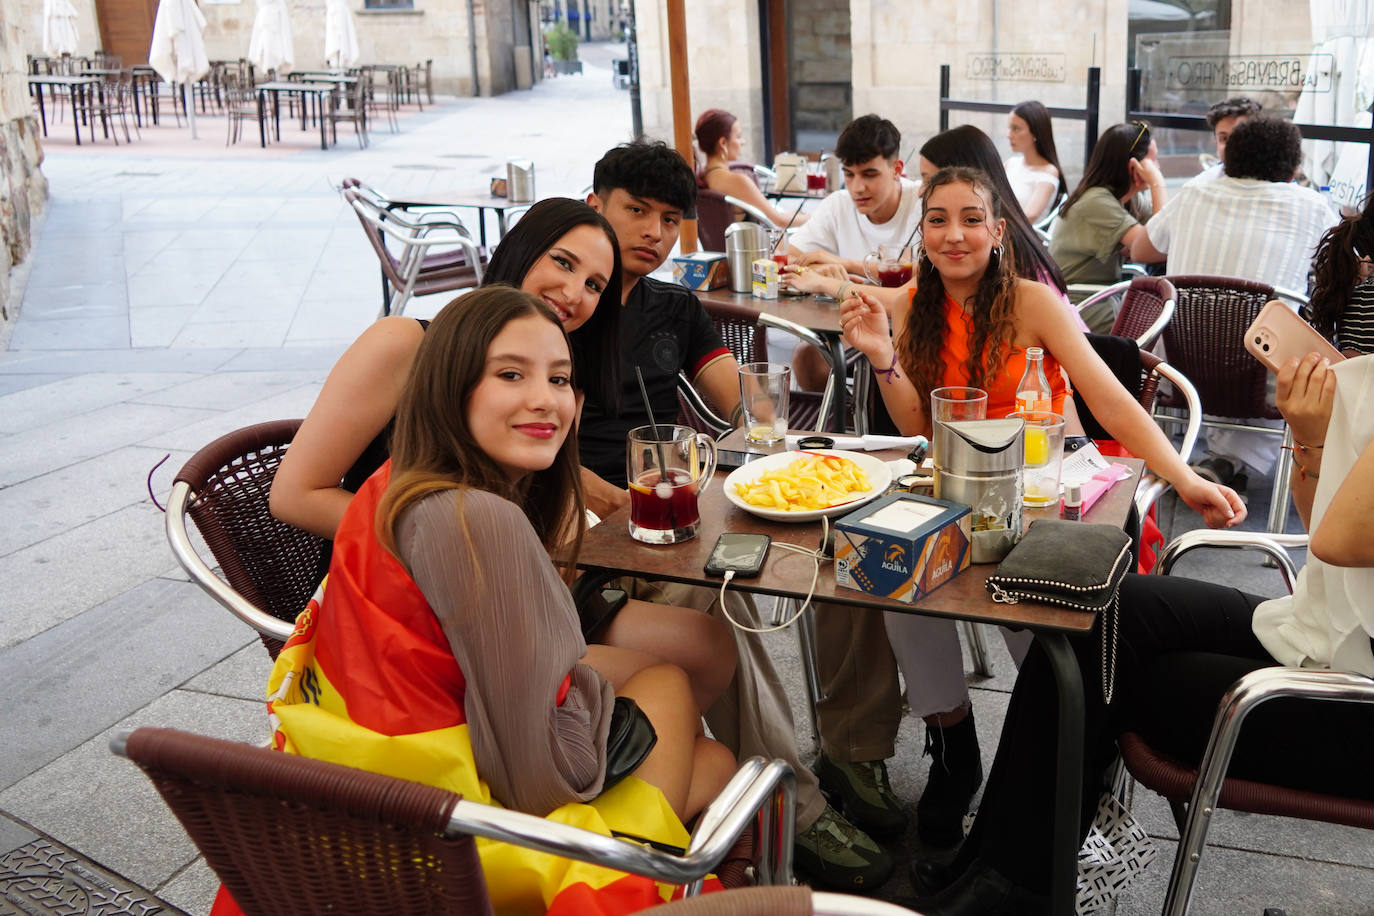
609,546
820,315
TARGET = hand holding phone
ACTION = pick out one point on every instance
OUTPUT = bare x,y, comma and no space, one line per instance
1278,334
742,553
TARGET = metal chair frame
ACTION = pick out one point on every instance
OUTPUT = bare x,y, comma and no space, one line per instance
1210,786
417,238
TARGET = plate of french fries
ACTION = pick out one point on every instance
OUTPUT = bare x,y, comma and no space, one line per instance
803,486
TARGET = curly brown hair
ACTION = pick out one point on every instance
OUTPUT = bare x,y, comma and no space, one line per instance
989,313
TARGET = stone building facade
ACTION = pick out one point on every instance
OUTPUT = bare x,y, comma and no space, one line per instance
851,57
23,189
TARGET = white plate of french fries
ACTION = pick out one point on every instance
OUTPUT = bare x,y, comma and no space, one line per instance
803,486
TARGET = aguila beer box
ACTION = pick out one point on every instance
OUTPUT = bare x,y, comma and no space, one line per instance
902,546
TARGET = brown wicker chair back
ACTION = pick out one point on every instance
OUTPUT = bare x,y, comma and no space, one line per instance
270,563
1142,304
1204,342
290,835
713,216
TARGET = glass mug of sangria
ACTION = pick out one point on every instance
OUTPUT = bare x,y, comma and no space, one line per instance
667,467
889,266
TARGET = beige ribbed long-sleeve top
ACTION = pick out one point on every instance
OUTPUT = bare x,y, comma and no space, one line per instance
514,630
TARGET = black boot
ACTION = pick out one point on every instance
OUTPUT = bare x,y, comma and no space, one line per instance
956,772
982,891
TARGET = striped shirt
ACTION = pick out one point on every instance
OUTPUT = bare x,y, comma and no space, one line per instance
1355,327
1265,231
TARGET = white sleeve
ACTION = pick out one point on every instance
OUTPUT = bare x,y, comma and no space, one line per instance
822,229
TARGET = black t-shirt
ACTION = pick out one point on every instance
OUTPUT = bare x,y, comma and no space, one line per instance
663,329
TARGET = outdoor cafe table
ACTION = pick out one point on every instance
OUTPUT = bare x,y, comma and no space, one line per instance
821,318
303,89
80,88
481,201
609,552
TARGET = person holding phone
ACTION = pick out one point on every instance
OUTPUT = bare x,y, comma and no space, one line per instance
1182,644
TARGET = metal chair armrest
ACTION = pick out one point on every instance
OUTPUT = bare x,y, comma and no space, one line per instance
757,786
751,211
764,173
1273,545
1295,297
1146,339
1099,292
1251,691
708,414
178,536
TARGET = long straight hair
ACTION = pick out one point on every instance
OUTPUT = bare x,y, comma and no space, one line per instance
990,312
968,146
1336,267
433,448
1107,167
1037,118
596,344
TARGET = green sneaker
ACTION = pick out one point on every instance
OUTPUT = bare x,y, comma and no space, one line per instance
863,792
837,856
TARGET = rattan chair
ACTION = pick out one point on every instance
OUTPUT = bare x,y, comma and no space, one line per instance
1204,341
1147,305
289,835
270,568
1196,792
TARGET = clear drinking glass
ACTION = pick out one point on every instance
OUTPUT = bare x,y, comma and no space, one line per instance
763,389
1044,443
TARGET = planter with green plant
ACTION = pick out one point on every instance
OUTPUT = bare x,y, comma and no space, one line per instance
562,45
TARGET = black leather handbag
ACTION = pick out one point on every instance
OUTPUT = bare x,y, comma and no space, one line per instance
1074,565
630,740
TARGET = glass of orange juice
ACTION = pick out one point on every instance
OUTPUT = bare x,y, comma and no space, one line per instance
1044,438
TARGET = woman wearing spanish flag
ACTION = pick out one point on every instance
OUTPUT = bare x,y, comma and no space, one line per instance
446,647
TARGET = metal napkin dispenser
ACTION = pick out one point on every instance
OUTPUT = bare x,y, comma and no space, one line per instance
978,463
520,181
745,242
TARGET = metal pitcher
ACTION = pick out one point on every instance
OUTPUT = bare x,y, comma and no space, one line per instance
834,176
520,181
745,242
978,463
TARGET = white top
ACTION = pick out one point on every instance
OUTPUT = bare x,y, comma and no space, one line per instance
1023,179
1211,173
1265,231
1327,621
837,227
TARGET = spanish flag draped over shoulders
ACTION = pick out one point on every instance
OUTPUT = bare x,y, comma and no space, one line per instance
368,680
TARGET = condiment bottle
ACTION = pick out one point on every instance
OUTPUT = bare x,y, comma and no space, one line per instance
1033,391
1073,502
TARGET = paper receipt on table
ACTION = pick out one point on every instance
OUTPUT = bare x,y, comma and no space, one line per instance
811,482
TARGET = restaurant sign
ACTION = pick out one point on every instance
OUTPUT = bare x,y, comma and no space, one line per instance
1026,68
1251,73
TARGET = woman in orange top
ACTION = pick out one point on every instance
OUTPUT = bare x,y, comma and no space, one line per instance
969,321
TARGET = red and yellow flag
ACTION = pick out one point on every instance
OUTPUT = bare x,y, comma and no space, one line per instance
368,680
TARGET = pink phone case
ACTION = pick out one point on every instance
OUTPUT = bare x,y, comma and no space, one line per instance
1278,334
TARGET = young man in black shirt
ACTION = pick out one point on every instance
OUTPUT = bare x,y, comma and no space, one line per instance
645,190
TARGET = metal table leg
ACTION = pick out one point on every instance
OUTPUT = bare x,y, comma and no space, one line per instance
1068,784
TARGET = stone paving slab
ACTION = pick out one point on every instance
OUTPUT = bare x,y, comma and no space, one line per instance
117,657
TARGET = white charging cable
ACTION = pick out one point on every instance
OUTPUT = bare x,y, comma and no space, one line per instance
816,555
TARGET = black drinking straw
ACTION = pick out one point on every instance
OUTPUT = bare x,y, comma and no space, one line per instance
658,443
783,234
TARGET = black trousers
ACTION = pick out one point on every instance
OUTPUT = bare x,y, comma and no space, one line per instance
1182,644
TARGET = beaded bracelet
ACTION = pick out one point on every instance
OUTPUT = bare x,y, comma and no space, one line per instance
890,371
1303,472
